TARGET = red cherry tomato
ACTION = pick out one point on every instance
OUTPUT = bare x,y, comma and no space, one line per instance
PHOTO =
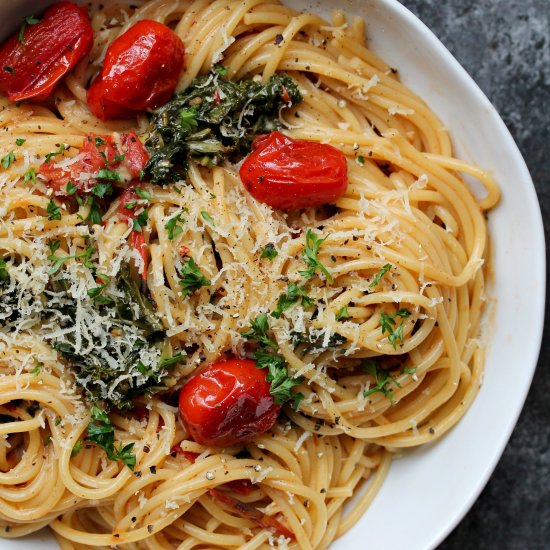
227,402
141,70
97,152
30,67
288,173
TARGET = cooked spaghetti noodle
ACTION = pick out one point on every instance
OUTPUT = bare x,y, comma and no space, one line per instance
406,205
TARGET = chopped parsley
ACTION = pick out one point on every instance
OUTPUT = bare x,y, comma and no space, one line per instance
102,433
4,275
8,160
290,297
102,190
28,20
379,275
140,221
94,215
360,160
207,218
96,293
57,261
142,194
382,380
59,151
106,174
192,278
389,325
30,175
269,252
258,331
173,226
53,210
313,242
20,141
77,448
71,188
8,69
37,367
343,313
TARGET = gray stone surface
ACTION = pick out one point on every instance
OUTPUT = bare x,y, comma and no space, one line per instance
505,46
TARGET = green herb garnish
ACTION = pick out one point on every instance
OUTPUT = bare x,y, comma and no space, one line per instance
140,221
192,278
380,274
290,297
30,175
389,326
207,218
258,331
269,252
8,69
8,159
173,226
343,313
20,141
58,262
313,242
4,275
382,379
28,20
53,210
102,433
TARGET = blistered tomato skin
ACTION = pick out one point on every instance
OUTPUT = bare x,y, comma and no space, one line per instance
290,174
31,67
140,72
227,402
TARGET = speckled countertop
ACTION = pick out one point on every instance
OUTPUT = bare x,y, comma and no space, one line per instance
505,46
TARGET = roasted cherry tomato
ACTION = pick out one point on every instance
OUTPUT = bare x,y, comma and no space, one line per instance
140,72
288,173
35,59
126,156
227,402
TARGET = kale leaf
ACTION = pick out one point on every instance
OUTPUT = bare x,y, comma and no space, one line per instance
214,119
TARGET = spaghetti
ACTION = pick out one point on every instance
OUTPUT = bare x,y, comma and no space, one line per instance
390,355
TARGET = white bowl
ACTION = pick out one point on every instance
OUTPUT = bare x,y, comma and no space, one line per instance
429,491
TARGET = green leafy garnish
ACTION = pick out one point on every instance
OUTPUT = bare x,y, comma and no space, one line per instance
102,190
53,210
94,215
313,242
4,275
192,278
28,20
290,297
258,331
140,221
20,141
102,433
77,448
59,261
343,313
30,175
96,293
70,188
382,379
142,194
37,367
281,381
212,120
59,151
8,69
207,217
269,252
389,326
379,275
8,159
173,226
109,175
360,160
221,70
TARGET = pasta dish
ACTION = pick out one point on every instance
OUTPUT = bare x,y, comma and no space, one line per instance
240,270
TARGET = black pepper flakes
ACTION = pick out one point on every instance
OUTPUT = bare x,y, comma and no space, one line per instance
323,491
153,469
146,449
431,430
278,39
137,473
150,528
134,519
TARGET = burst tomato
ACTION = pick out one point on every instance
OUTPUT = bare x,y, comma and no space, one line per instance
140,72
227,402
35,59
288,173
127,160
